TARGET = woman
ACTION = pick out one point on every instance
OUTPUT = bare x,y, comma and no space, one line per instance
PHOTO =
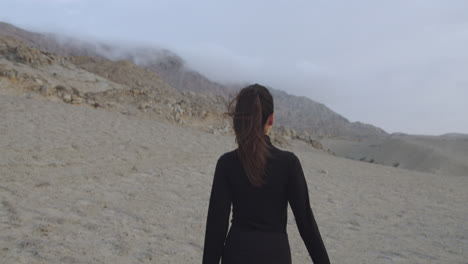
259,180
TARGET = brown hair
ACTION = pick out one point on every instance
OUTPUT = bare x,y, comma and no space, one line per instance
250,110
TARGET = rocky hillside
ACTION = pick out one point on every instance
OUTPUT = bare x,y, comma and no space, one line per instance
163,62
298,113
172,69
119,86
304,114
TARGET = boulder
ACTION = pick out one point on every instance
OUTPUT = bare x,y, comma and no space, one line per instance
66,97
45,90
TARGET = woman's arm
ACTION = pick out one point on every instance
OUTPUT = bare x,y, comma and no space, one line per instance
218,215
298,196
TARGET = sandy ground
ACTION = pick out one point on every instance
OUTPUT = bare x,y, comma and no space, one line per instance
442,155
84,185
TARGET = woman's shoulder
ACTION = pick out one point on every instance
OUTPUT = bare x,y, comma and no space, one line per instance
230,155
288,157
274,150
276,154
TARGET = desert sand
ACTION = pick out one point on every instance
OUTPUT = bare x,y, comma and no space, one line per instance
86,185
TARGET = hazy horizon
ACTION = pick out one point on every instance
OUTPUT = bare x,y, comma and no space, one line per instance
400,66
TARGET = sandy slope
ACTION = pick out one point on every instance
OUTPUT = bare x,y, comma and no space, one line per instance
446,155
84,185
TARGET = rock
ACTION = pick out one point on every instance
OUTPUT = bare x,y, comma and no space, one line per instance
30,95
171,101
66,98
293,133
77,92
45,90
284,132
38,81
76,100
189,111
91,102
278,139
177,109
143,106
315,143
61,90
304,135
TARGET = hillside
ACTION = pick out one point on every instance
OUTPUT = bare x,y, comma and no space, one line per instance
299,113
119,86
442,155
304,114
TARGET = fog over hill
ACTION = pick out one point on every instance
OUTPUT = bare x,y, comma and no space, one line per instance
296,112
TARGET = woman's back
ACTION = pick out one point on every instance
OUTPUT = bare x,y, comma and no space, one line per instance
258,231
262,208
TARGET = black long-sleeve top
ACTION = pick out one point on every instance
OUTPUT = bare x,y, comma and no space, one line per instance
261,208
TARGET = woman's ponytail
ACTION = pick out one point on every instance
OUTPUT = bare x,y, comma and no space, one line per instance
250,109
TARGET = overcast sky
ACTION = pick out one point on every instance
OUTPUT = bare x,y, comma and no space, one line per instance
401,65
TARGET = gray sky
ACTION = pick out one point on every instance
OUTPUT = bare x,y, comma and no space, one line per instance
401,65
